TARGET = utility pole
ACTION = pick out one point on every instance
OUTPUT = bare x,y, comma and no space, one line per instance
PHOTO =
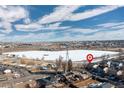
67,58
2,50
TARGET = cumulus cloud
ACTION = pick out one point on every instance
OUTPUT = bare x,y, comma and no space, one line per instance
5,27
10,14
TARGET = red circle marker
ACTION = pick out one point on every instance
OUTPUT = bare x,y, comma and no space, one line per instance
90,58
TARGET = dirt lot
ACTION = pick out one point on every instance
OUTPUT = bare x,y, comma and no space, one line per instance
84,83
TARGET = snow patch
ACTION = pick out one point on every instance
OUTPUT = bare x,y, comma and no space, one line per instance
74,55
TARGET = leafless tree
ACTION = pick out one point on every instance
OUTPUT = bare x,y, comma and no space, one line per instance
58,64
64,66
69,65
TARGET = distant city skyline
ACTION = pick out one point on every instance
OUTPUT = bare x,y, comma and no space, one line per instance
61,23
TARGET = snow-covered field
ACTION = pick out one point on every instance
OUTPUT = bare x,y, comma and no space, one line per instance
74,55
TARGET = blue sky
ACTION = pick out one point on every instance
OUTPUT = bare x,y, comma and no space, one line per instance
61,23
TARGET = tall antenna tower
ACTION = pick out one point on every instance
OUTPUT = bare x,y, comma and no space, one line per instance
2,48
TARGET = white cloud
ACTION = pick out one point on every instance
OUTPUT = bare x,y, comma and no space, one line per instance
2,36
38,27
92,13
65,13
49,22
60,13
10,14
56,26
99,33
82,30
112,24
27,20
53,20
5,27
28,27
112,35
30,37
107,35
51,36
118,27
